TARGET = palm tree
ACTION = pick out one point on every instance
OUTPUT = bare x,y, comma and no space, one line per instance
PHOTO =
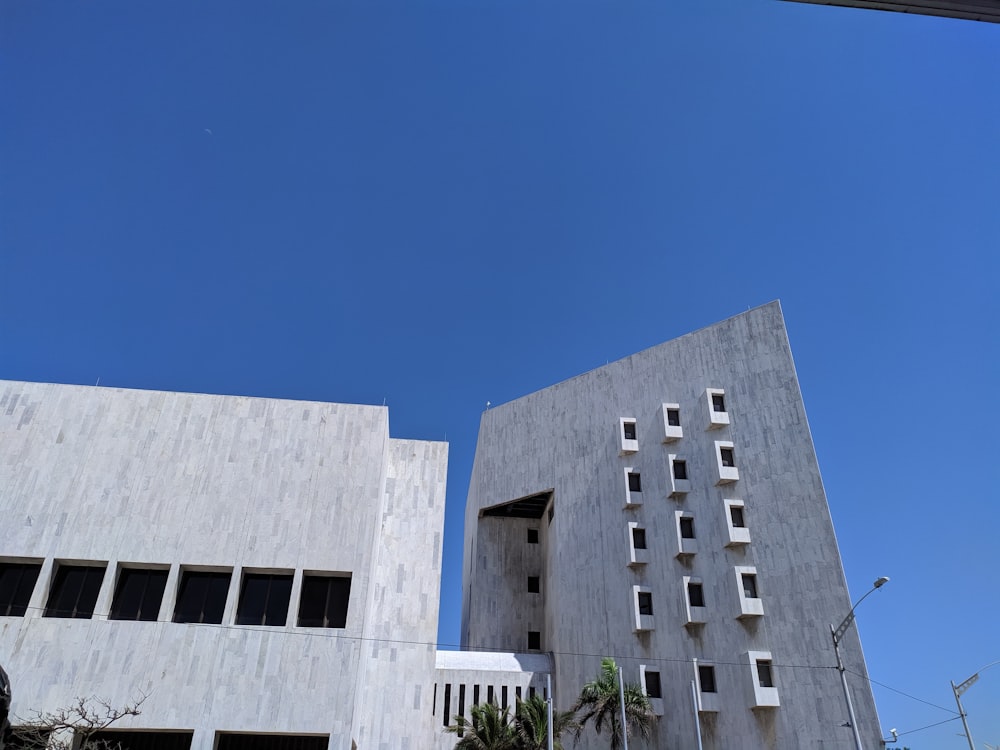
599,702
531,718
488,728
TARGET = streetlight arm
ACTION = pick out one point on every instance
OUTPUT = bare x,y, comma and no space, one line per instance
963,686
838,634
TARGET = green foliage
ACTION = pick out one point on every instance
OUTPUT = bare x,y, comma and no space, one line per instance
488,727
531,720
600,704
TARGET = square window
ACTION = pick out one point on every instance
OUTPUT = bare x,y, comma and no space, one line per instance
653,689
727,456
687,527
533,584
736,514
324,601
17,581
639,538
645,603
706,678
532,536
749,585
202,596
74,591
764,676
680,469
674,417
718,402
264,599
629,430
696,595
634,482
138,594
534,640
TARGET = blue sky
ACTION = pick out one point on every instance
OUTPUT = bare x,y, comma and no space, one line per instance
442,202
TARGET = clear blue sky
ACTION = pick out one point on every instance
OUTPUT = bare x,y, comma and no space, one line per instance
444,202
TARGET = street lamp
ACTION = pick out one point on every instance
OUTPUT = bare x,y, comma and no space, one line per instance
958,690
838,636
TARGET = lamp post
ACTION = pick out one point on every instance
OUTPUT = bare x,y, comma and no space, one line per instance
961,688
838,636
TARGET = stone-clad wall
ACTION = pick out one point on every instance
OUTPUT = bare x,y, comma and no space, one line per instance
121,476
568,437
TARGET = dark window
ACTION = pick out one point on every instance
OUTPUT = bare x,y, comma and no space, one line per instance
517,692
634,482
202,596
764,676
727,456
645,603
503,696
736,513
673,419
696,595
74,591
17,581
446,709
653,685
489,693
639,538
138,594
324,601
461,703
264,599
680,469
531,692
434,702
706,677
27,738
534,640
629,428
125,740
687,527
749,586
533,585
532,536
272,742
718,402
475,694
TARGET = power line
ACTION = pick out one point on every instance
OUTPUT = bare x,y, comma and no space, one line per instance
895,690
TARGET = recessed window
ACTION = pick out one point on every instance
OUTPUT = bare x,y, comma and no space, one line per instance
74,591
718,402
27,738
749,585
764,676
736,514
264,599
324,601
126,740
532,536
674,417
653,689
533,585
706,678
680,469
628,429
634,482
638,538
534,640
138,594
17,581
687,527
726,454
645,603
202,596
696,595
234,741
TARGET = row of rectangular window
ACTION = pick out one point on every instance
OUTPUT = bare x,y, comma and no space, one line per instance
670,417
29,738
750,602
201,594
738,533
764,695
680,482
491,696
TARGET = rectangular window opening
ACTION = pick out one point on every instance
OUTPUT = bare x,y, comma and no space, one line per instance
74,591
489,694
696,595
503,696
634,482
718,402
749,585
736,514
138,594
764,676
532,536
17,582
687,527
680,469
533,584
653,689
446,708
517,692
202,596
727,456
629,429
639,538
674,417
645,603
264,599
706,678
324,601
475,695
534,640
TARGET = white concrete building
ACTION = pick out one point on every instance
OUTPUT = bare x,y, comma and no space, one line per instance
267,572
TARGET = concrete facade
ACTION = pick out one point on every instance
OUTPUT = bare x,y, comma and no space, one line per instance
574,444
593,505
969,10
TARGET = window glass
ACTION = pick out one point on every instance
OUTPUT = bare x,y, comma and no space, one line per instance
74,591
696,595
634,482
706,677
138,594
264,599
17,581
653,685
202,596
639,538
680,470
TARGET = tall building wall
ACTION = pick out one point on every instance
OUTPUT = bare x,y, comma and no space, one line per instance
184,482
568,439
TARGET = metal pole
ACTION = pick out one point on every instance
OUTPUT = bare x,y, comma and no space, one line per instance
847,692
961,712
697,718
621,695
548,679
